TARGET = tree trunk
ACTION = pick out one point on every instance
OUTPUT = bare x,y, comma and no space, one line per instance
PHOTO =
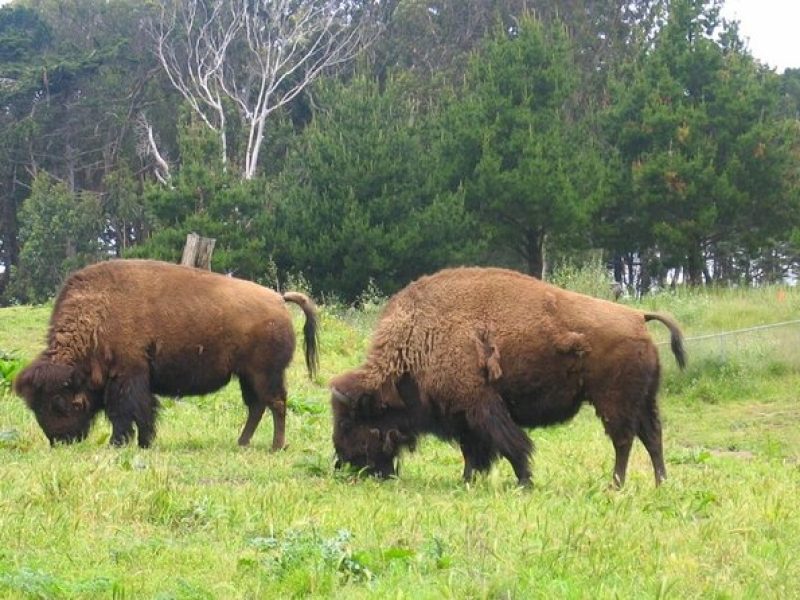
619,270
9,231
535,245
197,251
694,267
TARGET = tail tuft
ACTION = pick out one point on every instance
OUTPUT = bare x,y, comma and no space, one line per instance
310,330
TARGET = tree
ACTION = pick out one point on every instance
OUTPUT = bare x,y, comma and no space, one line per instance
430,37
361,201
706,160
255,56
60,232
22,36
790,93
518,146
76,77
205,199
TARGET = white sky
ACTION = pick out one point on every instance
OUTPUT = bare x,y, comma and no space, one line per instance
771,29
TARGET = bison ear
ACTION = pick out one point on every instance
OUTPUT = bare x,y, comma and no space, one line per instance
81,402
24,384
42,377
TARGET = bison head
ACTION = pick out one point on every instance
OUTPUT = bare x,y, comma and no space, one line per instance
63,406
369,428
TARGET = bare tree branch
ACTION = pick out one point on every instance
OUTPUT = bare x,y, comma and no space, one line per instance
149,147
256,55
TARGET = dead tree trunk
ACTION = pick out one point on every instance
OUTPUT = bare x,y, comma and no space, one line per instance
197,251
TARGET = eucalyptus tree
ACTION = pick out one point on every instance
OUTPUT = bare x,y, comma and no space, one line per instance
74,75
246,59
23,35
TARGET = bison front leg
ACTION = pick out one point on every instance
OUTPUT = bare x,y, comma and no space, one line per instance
260,392
491,422
479,455
128,400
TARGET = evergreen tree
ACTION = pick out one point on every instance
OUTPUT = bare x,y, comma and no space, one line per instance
520,148
360,200
704,157
60,232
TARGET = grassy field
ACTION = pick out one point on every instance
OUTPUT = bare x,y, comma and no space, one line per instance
198,517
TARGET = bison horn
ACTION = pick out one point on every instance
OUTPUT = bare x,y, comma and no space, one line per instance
393,439
340,397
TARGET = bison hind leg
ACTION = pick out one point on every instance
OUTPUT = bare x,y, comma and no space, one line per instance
649,432
632,412
260,392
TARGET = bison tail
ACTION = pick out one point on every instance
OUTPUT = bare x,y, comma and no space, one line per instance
310,330
676,337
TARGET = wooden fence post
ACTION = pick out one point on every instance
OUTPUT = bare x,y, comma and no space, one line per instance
197,251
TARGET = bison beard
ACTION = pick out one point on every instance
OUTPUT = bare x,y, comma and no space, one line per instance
123,331
476,355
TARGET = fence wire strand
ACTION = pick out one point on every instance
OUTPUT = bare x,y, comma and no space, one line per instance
735,332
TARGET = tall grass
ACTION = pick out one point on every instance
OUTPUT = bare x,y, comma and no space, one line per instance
197,517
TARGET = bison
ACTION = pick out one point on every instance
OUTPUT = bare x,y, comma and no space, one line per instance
476,354
124,330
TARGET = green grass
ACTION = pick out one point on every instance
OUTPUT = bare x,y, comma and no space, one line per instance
198,517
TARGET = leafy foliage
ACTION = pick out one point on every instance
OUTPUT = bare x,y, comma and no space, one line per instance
531,170
360,200
60,232
707,176
10,365
471,132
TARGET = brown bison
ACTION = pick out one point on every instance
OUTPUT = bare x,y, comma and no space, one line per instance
474,355
124,330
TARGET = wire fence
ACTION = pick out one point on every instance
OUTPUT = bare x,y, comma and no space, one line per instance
773,345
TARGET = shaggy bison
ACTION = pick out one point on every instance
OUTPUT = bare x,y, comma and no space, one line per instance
124,330
474,355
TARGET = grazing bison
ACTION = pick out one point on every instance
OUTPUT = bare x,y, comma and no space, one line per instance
475,354
124,330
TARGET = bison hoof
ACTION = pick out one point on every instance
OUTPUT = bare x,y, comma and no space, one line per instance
525,483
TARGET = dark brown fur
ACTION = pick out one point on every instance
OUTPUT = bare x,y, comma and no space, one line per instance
475,355
124,330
